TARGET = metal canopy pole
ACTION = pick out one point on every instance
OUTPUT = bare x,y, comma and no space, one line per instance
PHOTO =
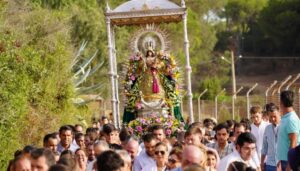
111,72
188,69
116,76
248,100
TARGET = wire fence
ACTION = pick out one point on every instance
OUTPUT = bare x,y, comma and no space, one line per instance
223,110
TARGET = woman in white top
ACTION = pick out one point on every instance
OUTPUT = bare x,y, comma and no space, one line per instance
161,158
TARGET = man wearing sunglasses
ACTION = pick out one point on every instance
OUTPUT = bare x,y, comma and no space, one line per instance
245,150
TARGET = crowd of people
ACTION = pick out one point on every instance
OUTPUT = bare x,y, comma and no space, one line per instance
269,141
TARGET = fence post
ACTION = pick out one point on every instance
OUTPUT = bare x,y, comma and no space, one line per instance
268,89
248,99
199,104
281,85
233,101
292,82
216,103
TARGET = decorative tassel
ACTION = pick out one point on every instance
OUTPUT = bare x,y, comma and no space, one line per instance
155,87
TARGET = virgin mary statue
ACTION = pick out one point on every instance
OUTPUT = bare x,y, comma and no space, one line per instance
151,85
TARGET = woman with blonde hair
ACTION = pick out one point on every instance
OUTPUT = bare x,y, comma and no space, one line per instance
161,158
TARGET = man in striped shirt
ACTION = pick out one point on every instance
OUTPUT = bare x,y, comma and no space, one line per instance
270,139
221,145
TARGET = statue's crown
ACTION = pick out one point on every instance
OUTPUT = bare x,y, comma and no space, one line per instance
150,45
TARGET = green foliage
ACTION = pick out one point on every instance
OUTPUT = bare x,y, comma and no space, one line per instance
213,86
280,21
241,13
35,78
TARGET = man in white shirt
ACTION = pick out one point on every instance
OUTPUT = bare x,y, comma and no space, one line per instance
132,147
245,149
258,127
146,156
91,157
66,138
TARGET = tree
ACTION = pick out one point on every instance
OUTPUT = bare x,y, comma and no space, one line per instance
280,22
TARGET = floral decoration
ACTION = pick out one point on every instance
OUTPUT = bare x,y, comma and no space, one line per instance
169,74
140,126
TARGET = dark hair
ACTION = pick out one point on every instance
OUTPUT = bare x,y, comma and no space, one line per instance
66,154
43,152
147,52
69,163
115,147
65,128
239,166
211,152
221,126
237,125
156,127
287,98
59,167
18,153
103,117
109,160
124,135
108,128
271,107
247,123
208,122
49,136
28,148
76,125
148,137
88,130
230,123
245,137
78,135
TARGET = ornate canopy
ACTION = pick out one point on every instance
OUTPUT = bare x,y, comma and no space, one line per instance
137,12
143,12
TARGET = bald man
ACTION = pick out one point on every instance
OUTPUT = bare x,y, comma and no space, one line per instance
132,147
192,155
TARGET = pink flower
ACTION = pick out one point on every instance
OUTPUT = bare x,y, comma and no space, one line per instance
139,128
131,58
158,120
130,130
168,132
137,58
138,105
132,77
170,124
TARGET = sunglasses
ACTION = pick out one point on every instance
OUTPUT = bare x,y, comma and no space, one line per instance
172,161
160,152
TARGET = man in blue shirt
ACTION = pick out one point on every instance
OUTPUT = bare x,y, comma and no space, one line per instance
270,139
289,129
